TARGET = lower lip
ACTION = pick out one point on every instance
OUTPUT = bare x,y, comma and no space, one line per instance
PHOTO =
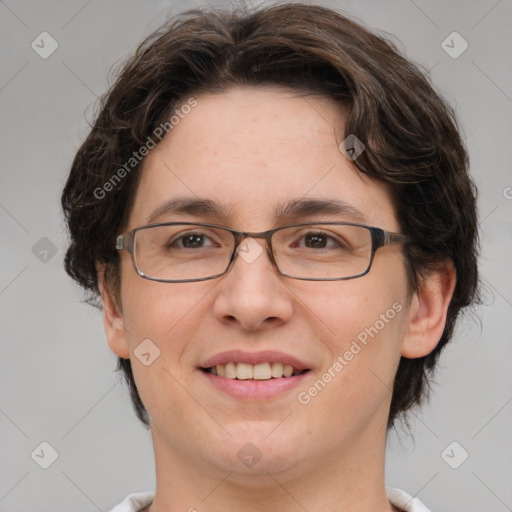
255,389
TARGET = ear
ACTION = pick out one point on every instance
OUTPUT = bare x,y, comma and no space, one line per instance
113,319
427,312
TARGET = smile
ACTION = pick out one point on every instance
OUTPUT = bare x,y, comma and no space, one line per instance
256,376
246,371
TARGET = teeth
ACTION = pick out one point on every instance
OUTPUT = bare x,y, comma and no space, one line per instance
277,369
262,371
244,371
230,370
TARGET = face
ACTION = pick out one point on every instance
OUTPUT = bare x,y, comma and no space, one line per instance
252,150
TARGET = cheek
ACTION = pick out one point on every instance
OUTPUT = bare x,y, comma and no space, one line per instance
365,336
362,322
362,309
168,315
354,387
159,311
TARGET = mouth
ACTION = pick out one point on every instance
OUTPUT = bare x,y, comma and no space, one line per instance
254,376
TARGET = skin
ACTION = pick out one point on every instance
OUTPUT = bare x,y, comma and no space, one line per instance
251,149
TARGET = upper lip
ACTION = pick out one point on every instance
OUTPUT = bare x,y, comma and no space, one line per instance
266,356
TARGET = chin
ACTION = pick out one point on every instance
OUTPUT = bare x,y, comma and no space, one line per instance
258,451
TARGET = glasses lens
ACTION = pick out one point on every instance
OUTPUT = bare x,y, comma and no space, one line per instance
182,252
323,251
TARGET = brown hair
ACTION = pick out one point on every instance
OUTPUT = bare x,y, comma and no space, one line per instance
411,136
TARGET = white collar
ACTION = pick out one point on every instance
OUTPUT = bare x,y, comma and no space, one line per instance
137,501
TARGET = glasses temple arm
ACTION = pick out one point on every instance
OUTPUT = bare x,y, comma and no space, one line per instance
395,238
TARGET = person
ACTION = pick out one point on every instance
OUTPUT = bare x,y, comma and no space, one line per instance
274,211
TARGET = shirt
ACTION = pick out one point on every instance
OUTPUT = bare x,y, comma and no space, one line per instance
137,501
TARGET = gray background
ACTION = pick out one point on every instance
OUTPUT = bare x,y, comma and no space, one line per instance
57,382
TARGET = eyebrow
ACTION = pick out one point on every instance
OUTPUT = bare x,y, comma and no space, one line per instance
196,207
298,208
289,211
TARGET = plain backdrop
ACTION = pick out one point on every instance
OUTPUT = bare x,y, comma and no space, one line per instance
57,380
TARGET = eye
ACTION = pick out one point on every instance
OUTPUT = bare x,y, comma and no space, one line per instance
190,240
320,240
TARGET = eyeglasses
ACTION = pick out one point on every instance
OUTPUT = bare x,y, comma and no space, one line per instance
173,252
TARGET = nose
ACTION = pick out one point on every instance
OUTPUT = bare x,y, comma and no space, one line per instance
252,293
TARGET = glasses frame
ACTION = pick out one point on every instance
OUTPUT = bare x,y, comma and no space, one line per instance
379,237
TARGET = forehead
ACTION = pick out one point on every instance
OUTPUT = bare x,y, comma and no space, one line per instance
253,151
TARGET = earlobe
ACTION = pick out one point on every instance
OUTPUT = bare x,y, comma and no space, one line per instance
427,312
113,319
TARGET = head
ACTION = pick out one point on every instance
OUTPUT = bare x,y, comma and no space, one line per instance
250,109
